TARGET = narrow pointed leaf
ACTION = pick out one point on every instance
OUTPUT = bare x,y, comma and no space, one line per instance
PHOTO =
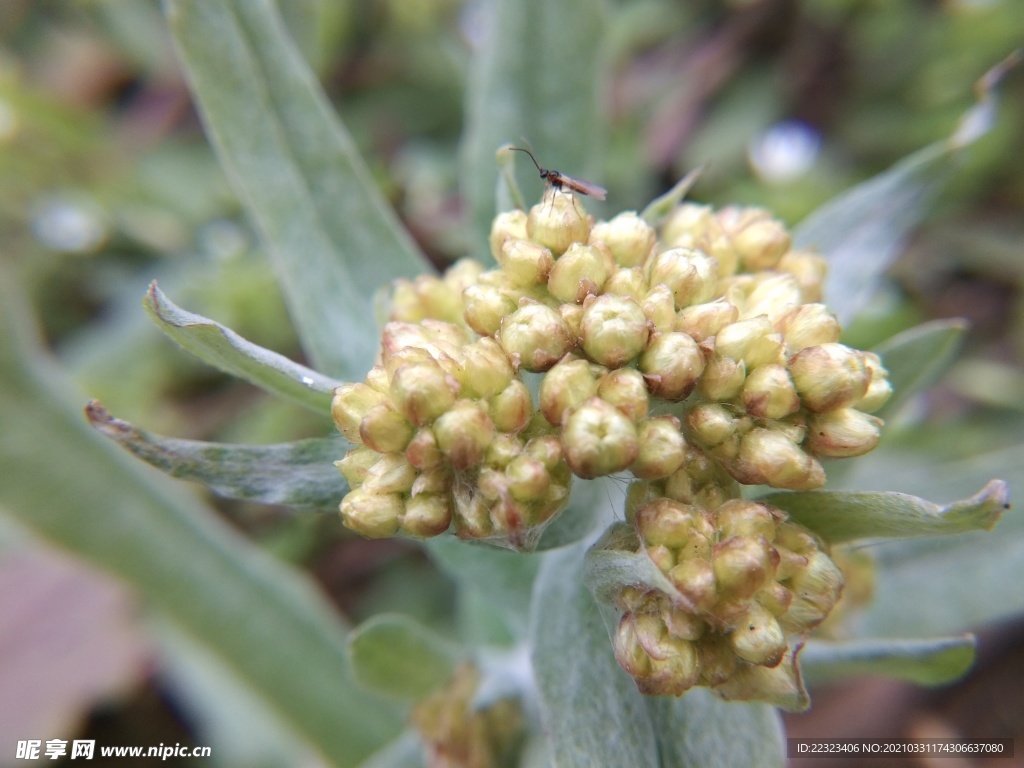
535,76
226,350
849,515
925,662
863,230
591,710
331,234
698,729
916,358
299,474
71,487
395,655
659,208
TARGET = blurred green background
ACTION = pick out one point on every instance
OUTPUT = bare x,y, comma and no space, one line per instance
107,183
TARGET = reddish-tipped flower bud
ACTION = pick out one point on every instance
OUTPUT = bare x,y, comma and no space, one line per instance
556,223
842,433
758,638
768,393
723,378
422,391
525,264
769,457
671,365
370,514
628,282
829,376
739,517
662,448
598,439
579,272
628,237
808,325
463,433
485,369
660,308
743,565
427,515
691,275
422,451
879,389
508,225
668,523
614,330
565,387
349,406
384,429
625,389
702,321
535,337
485,307
511,409
356,464
753,341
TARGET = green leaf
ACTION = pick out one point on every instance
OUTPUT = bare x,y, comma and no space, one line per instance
840,516
270,624
863,230
331,234
617,560
591,710
535,76
226,350
659,208
299,474
397,656
404,752
925,662
916,358
699,729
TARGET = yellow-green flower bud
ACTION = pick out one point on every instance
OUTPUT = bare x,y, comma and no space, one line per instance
768,393
573,316
507,225
842,433
662,448
628,237
437,480
427,515
723,378
663,522
808,325
816,590
598,439
629,654
879,389
691,275
503,448
660,308
739,517
525,264
702,321
772,294
378,380
349,407
671,365
809,269
486,370
743,565
625,389
695,580
662,557
535,337
717,429
758,638
829,376
422,451
614,330
674,670
767,457
688,225
565,387
511,409
392,473
556,223
356,465
628,282
752,341
370,514
422,391
683,624
528,478
384,429
546,449
761,244
463,433
717,661
466,272
775,597
486,306
579,272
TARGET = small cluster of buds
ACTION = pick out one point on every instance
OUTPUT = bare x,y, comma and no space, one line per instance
454,732
743,580
447,434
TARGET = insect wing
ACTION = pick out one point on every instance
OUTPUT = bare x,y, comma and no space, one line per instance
584,187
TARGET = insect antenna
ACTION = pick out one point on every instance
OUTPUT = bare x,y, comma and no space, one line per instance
520,149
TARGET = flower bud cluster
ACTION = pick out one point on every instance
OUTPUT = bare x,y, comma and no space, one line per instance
446,434
704,336
743,581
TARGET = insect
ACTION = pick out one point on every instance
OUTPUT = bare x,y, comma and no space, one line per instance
560,181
